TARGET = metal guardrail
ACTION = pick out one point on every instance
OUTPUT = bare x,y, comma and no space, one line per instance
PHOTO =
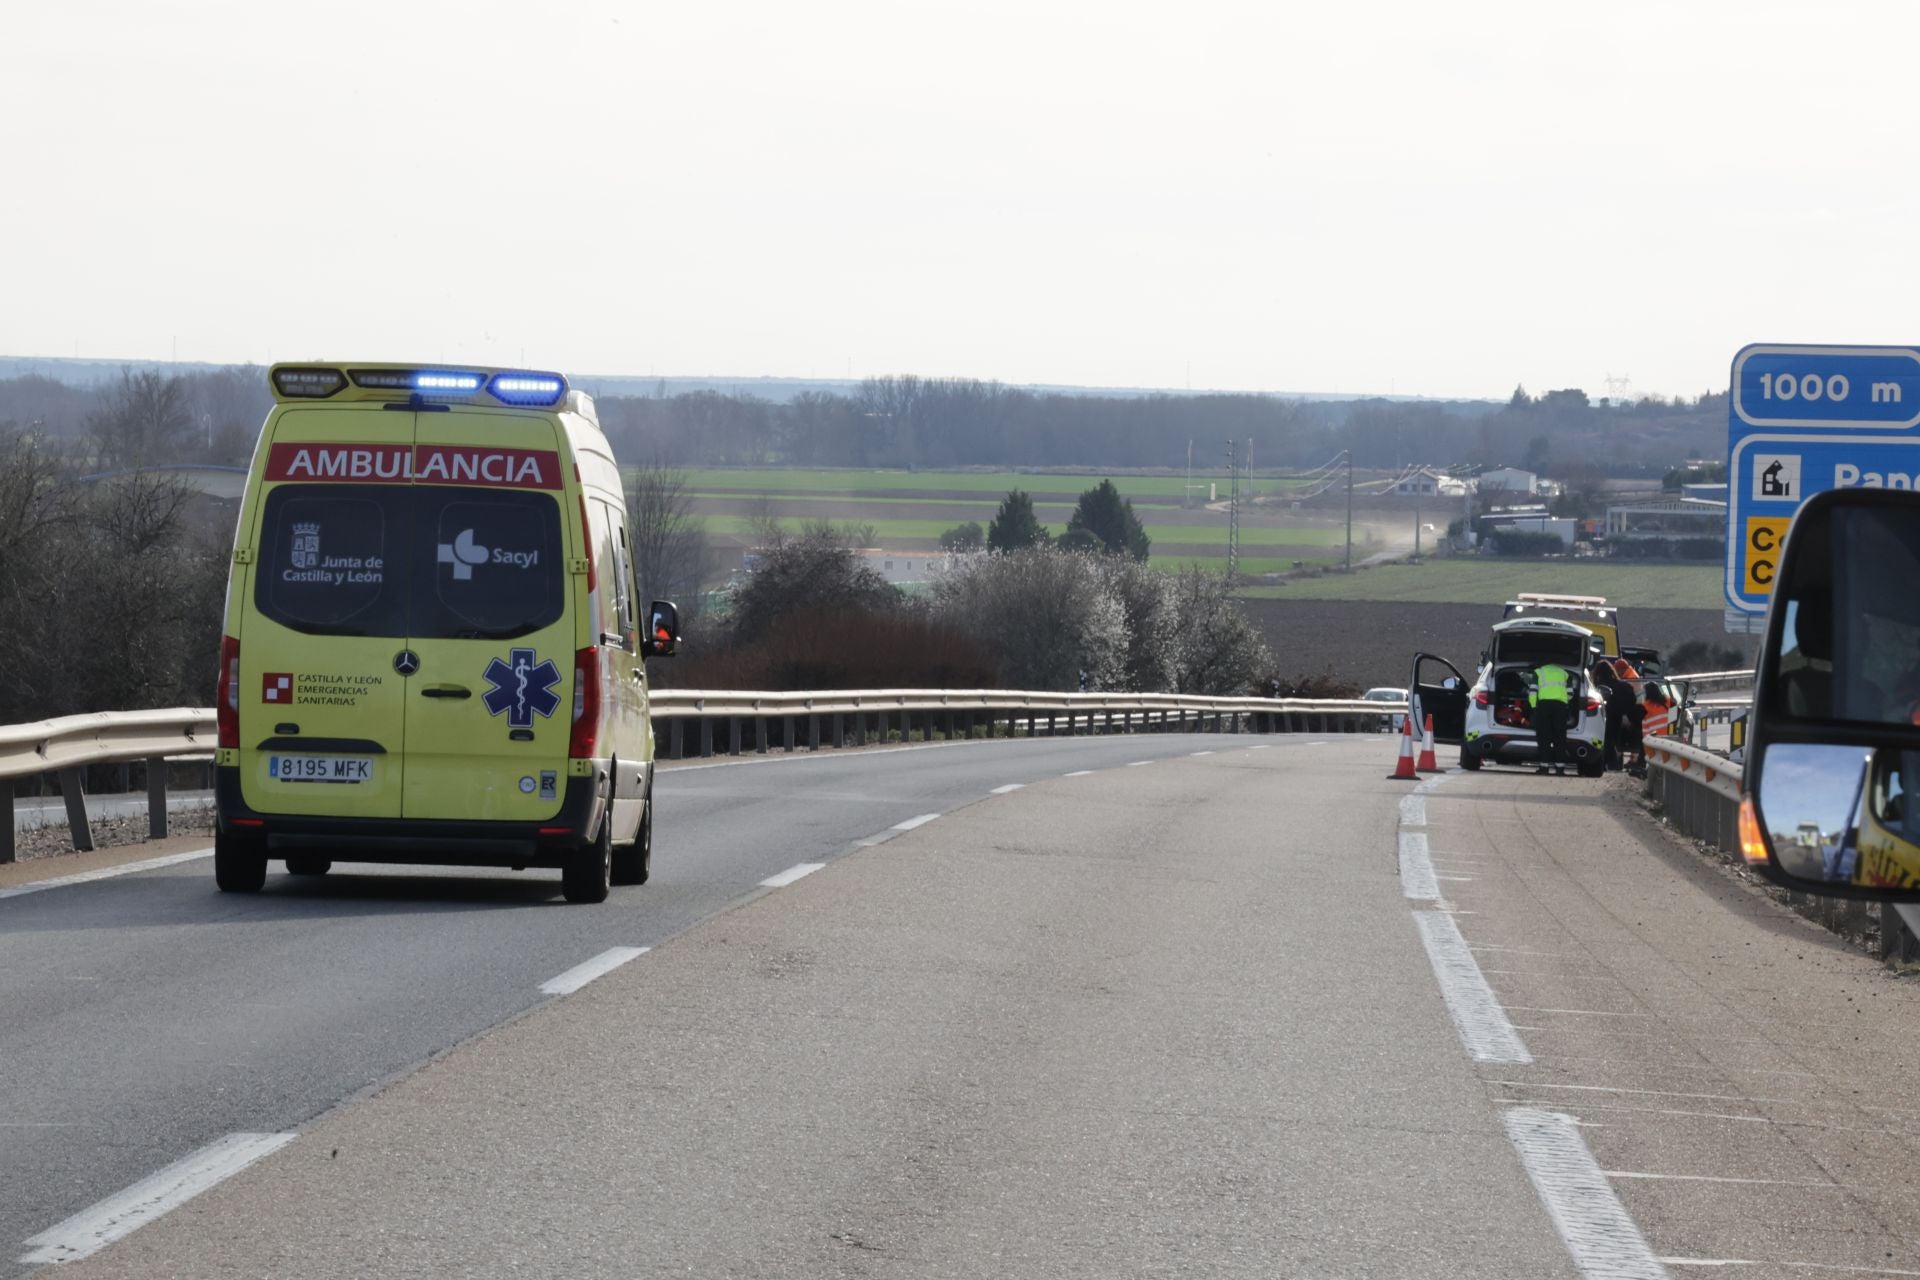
733,721
1716,681
67,746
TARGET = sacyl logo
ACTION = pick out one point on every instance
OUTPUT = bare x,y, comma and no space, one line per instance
1776,477
463,553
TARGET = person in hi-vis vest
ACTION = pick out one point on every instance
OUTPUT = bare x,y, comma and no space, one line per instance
1550,701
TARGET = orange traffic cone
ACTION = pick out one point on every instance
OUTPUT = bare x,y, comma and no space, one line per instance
1427,763
1403,771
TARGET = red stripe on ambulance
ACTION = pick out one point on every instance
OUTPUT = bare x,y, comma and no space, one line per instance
423,464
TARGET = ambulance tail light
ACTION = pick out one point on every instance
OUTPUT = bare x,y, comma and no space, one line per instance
586,705
1594,704
1482,698
226,696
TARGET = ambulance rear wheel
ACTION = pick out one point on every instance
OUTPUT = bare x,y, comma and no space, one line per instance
239,866
308,865
633,864
1469,759
588,873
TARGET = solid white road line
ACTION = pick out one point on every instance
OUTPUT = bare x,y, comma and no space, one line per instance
581,974
106,873
1077,773
1413,811
1010,787
1482,1023
791,874
1416,870
93,1229
1595,1226
911,823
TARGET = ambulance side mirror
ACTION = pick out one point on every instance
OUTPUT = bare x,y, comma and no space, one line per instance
1832,771
663,630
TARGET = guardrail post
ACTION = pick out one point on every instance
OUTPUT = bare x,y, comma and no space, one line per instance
706,736
859,728
788,731
76,797
813,732
734,735
6,820
759,735
676,739
157,798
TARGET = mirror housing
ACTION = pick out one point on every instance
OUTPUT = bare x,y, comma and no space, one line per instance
1832,773
663,630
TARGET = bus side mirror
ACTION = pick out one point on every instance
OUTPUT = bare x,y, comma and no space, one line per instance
1832,773
663,630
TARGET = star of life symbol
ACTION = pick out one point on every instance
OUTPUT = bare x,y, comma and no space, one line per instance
463,553
522,686
306,545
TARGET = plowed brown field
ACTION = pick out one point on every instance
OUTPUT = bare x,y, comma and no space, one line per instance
1372,642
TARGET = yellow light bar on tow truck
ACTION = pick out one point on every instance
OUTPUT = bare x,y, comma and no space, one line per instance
441,384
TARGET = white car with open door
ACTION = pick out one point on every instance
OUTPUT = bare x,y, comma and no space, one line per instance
1491,720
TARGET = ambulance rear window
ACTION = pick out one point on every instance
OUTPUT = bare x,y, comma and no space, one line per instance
327,561
494,559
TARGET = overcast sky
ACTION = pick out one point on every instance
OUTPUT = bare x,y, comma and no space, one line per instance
1442,199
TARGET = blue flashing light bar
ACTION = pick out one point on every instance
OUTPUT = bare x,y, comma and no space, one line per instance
459,382
527,388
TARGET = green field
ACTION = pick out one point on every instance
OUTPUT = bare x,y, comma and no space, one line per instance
1469,580
785,480
892,531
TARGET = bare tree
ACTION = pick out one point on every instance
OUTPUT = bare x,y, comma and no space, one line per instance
145,420
671,559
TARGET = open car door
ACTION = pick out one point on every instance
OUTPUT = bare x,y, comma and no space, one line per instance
1436,688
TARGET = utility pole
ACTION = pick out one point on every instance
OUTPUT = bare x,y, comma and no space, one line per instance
1233,512
1349,510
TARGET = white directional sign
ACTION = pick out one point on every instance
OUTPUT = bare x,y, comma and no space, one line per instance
1802,420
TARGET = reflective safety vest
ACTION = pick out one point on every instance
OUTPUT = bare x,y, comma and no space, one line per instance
1549,685
1659,718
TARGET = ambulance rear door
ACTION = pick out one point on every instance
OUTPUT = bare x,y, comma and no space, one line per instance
324,623
489,711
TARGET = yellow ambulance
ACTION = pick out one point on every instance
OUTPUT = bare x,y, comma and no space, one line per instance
432,651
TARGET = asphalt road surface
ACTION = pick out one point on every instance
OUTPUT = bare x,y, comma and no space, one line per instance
1255,1011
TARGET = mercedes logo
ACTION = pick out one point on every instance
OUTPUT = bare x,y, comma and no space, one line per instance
406,662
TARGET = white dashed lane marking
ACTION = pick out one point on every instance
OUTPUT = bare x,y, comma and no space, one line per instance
791,874
580,975
1482,1023
1010,787
1605,1242
911,823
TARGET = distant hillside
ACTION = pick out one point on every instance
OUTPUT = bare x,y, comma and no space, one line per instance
89,373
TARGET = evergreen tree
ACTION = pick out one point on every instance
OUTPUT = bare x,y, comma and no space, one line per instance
1014,525
1109,517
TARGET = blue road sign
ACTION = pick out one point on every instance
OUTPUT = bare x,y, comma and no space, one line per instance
1802,420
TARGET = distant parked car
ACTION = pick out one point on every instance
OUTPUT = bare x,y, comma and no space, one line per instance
1387,724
